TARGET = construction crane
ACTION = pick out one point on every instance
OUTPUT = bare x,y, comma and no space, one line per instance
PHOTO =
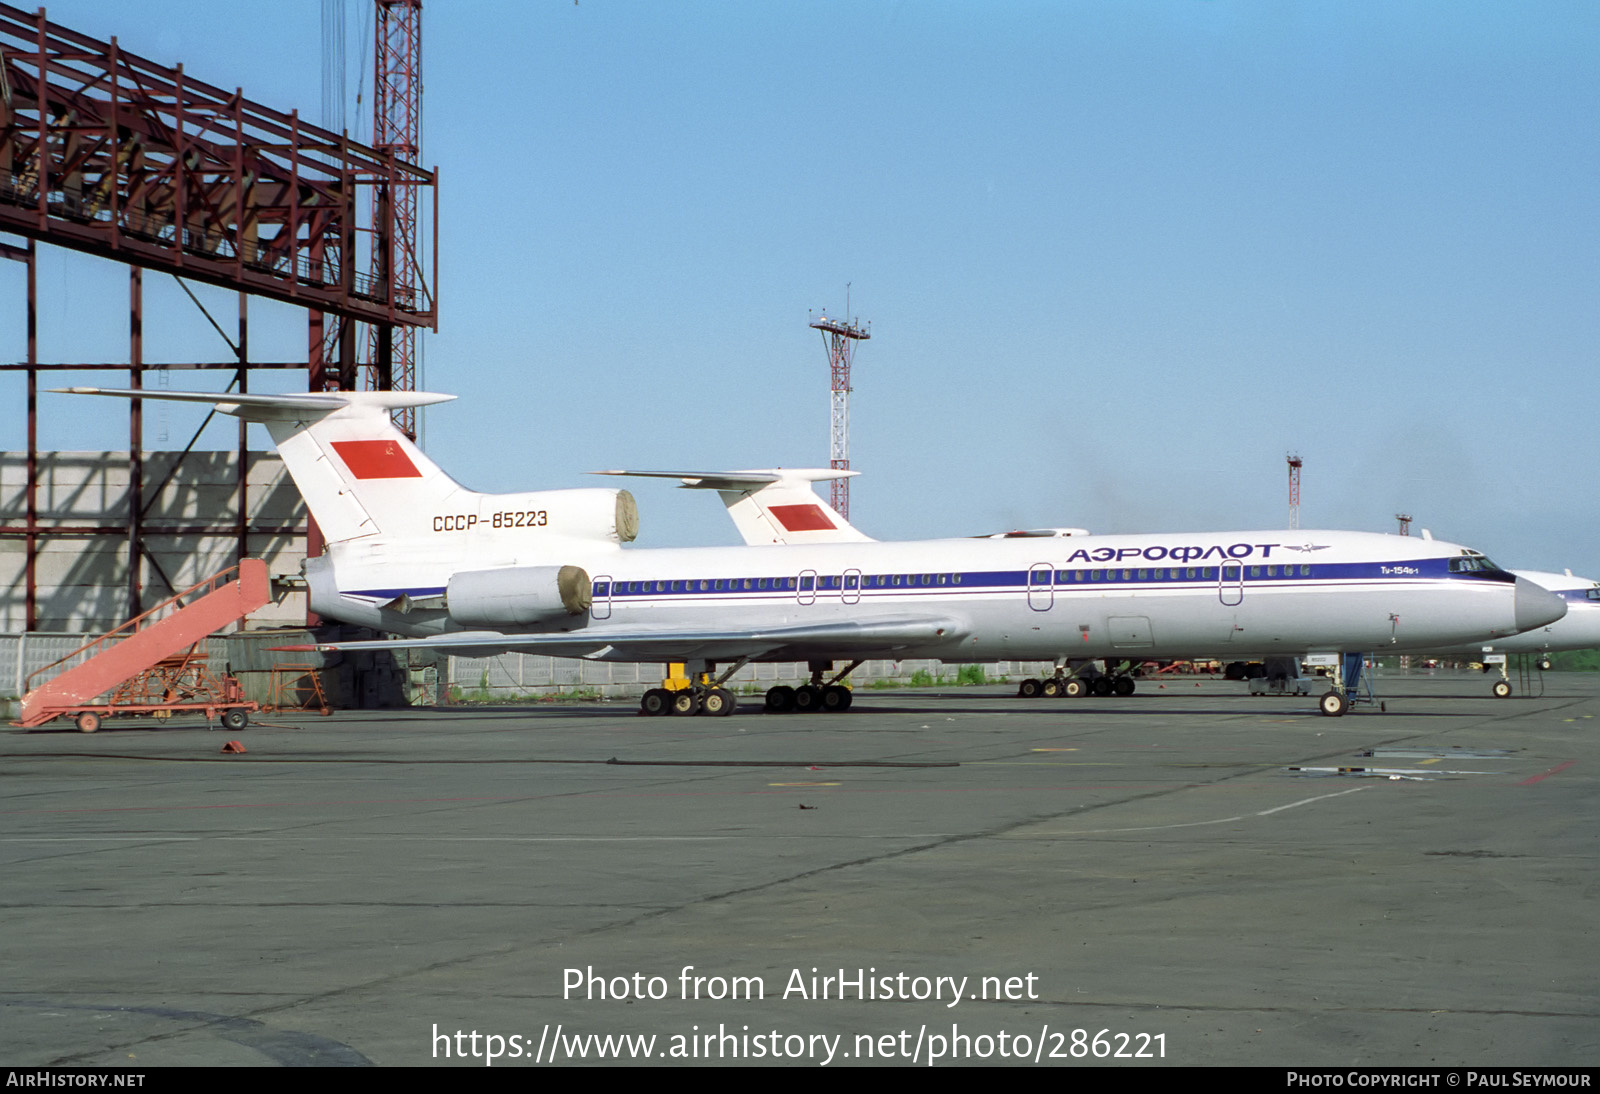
397,131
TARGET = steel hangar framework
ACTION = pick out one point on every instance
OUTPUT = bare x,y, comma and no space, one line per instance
110,154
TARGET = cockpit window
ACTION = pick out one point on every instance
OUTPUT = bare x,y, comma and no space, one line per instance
1594,593
1471,565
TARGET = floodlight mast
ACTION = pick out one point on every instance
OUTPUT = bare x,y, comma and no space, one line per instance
839,339
1295,463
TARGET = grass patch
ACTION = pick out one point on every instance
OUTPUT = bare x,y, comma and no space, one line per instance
482,697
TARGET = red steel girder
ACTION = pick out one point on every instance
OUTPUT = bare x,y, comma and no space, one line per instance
106,152
397,249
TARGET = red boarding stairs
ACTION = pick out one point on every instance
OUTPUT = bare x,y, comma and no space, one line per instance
141,646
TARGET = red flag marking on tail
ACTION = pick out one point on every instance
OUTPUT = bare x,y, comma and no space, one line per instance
376,460
802,518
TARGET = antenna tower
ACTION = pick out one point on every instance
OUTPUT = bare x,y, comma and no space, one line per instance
1405,523
1294,490
839,338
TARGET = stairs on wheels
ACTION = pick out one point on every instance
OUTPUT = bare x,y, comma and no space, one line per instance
145,647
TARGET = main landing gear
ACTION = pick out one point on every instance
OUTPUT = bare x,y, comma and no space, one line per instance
1084,680
698,693
832,696
715,702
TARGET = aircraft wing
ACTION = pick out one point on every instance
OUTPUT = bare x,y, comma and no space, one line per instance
772,505
799,642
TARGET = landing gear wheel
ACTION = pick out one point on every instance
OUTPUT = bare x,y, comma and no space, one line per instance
1030,689
1502,689
1072,689
1544,664
685,703
836,698
1052,688
1123,686
780,698
1333,704
808,699
656,702
718,703
235,719
1100,687
88,722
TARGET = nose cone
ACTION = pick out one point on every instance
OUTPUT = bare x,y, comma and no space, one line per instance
1537,606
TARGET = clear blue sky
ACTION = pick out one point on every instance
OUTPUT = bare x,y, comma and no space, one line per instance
1118,257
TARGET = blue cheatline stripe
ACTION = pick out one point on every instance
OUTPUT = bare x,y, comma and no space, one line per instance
390,594
1066,580
1289,575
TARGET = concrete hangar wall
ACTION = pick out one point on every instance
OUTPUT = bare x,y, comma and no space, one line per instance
82,579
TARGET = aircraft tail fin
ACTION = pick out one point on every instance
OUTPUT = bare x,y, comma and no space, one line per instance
771,506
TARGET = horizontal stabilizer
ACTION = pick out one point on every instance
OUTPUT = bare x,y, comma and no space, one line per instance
771,505
273,408
360,476
740,480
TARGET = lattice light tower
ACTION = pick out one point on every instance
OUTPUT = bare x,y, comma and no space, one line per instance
1294,490
1405,523
397,246
840,338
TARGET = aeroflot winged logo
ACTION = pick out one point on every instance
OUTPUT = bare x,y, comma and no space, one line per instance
382,459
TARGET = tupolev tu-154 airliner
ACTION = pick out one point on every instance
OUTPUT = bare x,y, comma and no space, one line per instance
413,553
1579,630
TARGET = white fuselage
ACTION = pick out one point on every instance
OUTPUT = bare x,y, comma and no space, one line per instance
1181,595
1579,629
